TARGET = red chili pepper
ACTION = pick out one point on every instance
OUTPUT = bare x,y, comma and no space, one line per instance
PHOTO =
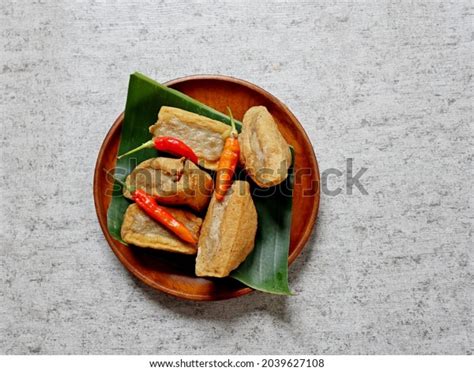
167,144
227,162
148,204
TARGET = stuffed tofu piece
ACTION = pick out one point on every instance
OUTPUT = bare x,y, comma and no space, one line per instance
140,230
172,181
228,232
203,135
263,151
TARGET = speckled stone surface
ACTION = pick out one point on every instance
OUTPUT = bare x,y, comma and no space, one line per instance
387,84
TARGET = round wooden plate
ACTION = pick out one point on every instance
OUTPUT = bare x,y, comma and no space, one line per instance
173,273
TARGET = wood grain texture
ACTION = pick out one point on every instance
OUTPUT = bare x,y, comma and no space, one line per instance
174,274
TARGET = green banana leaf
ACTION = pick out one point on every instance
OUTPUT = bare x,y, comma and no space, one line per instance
266,268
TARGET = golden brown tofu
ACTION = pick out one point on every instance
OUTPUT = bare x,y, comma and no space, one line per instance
172,181
228,232
205,136
263,151
140,230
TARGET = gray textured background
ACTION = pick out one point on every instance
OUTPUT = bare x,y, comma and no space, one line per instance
388,84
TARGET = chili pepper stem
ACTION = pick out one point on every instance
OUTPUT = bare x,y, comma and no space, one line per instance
149,144
233,132
121,182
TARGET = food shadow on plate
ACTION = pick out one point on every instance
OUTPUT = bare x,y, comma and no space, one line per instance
229,311
171,263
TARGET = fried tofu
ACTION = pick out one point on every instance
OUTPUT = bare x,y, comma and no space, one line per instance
264,152
228,232
172,181
140,230
205,136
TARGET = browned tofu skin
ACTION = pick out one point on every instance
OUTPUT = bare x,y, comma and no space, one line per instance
263,151
173,181
228,232
140,230
205,136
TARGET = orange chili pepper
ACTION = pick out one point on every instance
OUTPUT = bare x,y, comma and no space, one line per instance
227,162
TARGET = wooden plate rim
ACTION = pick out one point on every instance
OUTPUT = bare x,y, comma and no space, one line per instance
102,214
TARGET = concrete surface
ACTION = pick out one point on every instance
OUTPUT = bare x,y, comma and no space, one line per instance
385,83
